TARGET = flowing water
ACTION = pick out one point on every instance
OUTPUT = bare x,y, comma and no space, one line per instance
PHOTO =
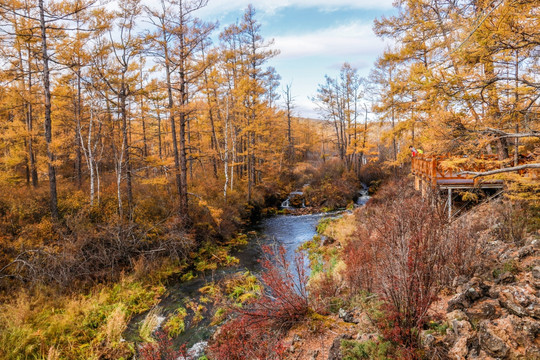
287,230
290,231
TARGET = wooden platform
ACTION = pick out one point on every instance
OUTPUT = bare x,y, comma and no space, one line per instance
431,176
428,172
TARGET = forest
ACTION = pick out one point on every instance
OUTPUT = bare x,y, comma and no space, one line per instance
141,146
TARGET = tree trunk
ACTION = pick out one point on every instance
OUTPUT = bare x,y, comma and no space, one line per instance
29,123
53,201
159,132
183,151
78,160
125,146
172,122
288,104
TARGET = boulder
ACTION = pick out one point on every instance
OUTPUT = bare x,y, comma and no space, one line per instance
491,343
506,278
524,331
520,302
462,332
486,309
459,281
460,349
347,316
197,350
473,290
507,301
536,272
458,302
479,288
533,353
525,251
426,339
456,315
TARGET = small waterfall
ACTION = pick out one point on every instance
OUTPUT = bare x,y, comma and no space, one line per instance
363,196
287,203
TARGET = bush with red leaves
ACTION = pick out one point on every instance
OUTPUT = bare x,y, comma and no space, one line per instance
256,330
242,338
162,349
405,251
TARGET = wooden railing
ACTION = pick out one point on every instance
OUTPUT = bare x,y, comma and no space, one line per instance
429,169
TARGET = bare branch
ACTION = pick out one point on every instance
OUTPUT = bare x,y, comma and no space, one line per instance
499,171
502,134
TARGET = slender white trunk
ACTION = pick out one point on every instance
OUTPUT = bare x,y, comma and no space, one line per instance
90,159
233,137
226,154
119,162
98,183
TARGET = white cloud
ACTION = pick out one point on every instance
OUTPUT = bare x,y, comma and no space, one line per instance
354,39
306,57
270,6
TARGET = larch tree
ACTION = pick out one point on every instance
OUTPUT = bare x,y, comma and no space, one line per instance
338,100
119,47
51,20
178,43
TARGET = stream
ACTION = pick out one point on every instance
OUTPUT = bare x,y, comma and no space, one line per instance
290,231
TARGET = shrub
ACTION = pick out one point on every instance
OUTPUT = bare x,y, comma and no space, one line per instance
82,251
405,251
353,350
243,338
161,349
254,332
284,299
513,221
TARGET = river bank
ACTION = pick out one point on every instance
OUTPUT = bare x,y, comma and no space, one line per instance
199,313
480,294
205,301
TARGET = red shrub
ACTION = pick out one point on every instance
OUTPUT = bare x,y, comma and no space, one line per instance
242,338
405,252
284,300
162,349
255,332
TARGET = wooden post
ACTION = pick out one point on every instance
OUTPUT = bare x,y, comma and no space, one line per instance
434,172
449,204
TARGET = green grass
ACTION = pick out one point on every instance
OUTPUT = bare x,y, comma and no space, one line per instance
175,324
376,350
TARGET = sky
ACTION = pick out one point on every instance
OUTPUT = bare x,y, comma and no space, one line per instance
314,37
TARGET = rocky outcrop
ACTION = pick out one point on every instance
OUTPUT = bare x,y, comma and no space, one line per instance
491,343
496,315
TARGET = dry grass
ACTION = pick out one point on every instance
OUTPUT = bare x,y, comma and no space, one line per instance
116,324
48,325
53,354
342,229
